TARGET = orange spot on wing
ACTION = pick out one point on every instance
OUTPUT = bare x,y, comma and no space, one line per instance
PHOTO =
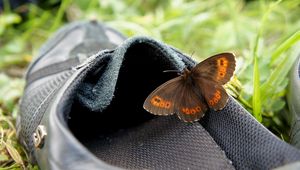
159,102
192,110
222,67
216,98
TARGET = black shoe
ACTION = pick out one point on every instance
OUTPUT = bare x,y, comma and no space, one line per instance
90,115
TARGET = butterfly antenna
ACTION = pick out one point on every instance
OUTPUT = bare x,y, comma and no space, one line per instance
172,71
193,53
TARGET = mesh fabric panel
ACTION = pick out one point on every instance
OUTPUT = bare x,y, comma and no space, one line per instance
161,143
246,142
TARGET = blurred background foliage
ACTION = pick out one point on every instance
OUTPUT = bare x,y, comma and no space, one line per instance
263,34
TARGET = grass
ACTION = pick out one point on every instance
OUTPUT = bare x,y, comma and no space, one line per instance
263,34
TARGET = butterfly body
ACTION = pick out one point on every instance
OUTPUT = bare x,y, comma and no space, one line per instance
194,91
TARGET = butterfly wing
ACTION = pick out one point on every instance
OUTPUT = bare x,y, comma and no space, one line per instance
176,96
162,100
218,68
214,94
184,96
190,105
210,75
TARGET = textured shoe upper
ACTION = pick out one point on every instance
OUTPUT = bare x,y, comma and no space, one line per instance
70,46
94,116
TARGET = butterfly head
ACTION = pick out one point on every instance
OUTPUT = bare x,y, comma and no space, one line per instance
186,73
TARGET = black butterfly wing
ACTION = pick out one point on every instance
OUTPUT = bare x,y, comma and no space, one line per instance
218,68
162,100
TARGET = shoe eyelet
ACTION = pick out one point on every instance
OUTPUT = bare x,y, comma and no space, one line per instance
39,136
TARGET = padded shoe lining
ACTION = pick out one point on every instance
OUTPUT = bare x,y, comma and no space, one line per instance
127,136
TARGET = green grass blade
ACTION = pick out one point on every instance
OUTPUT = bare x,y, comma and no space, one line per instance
256,100
60,14
14,153
285,46
277,76
280,72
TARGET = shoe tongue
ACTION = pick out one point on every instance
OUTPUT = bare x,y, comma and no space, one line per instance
138,62
91,47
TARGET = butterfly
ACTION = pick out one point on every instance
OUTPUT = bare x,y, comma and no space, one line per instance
194,91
